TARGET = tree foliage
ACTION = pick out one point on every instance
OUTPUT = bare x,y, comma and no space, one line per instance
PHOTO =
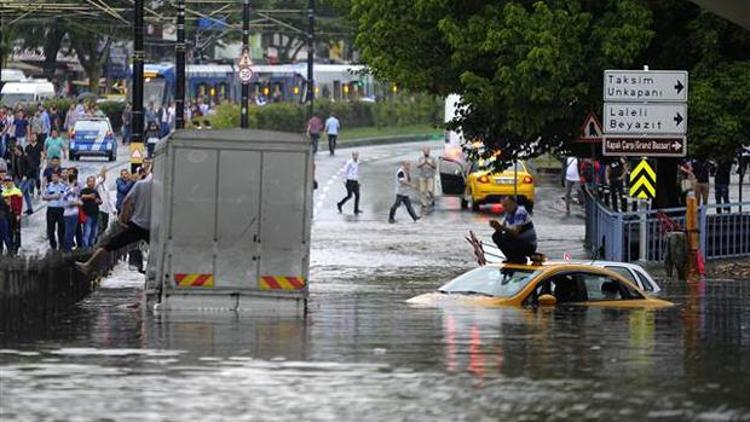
530,71
527,72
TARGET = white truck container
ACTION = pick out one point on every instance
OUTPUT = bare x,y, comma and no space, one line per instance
231,217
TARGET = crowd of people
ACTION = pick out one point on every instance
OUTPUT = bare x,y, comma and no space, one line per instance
609,180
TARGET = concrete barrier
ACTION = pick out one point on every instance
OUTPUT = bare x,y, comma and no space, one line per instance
35,289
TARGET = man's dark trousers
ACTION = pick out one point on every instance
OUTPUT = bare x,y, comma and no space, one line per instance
352,189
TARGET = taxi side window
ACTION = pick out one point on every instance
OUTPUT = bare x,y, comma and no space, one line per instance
623,272
601,287
645,284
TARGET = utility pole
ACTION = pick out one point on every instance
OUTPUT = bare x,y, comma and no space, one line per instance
244,120
310,58
136,138
180,62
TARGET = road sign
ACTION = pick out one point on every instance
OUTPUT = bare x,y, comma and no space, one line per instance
137,152
653,119
652,146
246,74
591,130
245,71
646,85
643,181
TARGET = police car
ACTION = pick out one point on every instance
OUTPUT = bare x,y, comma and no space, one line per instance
93,136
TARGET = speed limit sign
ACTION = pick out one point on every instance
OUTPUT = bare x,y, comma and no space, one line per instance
246,74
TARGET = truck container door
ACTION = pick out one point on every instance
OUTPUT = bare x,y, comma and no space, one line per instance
283,242
238,218
193,222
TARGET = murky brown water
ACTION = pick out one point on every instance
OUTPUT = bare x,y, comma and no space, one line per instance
363,354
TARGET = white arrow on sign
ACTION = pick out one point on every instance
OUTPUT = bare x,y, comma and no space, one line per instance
658,119
646,85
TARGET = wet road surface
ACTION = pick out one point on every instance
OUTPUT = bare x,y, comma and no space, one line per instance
362,353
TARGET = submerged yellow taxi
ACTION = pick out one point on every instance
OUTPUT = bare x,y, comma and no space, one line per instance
541,285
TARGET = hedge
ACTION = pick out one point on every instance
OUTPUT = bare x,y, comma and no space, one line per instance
406,111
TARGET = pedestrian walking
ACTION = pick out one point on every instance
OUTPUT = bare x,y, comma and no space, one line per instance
127,114
71,117
34,152
151,114
721,185
5,123
90,206
615,174
152,136
351,170
426,180
14,198
403,186
6,239
71,201
314,127
21,129
105,208
46,123
699,170
135,219
23,176
123,183
572,179
332,128
54,147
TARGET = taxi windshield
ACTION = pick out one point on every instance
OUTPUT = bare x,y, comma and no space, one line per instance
491,281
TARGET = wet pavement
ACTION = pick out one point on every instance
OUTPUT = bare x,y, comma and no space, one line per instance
362,353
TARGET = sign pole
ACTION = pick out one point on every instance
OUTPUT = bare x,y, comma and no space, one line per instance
244,118
138,57
180,62
310,58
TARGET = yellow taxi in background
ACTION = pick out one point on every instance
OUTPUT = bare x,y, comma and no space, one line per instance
484,186
541,285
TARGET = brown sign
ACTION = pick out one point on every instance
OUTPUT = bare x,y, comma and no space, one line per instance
675,146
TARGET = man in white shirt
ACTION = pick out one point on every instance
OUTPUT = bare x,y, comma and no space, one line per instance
572,178
332,131
403,185
105,208
426,180
351,170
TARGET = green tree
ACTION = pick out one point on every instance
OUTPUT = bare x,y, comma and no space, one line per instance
527,72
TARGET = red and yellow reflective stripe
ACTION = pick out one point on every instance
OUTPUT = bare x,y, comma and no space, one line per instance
277,282
194,280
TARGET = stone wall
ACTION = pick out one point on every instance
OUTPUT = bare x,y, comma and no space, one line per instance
37,288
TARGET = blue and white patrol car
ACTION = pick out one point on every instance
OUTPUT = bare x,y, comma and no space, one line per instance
93,136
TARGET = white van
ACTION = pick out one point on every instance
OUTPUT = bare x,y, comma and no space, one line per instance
12,75
26,92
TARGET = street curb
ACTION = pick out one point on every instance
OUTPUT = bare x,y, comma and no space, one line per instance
385,140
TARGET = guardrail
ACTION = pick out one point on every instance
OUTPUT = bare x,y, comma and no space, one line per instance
639,235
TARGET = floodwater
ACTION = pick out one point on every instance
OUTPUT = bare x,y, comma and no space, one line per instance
363,354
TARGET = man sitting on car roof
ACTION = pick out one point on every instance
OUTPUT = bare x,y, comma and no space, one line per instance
515,236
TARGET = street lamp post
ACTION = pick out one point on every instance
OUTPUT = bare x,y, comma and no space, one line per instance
310,58
138,58
244,120
180,62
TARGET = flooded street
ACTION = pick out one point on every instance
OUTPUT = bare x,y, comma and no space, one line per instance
362,353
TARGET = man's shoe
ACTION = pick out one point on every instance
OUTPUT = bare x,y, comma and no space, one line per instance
417,219
29,212
391,220
339,207
358,211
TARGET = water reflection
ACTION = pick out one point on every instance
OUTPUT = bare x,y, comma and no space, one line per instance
363,353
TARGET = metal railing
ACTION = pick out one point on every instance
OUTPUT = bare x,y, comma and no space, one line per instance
640,235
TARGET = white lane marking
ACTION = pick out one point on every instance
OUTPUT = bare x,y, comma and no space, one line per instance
325,188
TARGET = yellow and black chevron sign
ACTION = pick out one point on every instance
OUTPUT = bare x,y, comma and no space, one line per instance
643,181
